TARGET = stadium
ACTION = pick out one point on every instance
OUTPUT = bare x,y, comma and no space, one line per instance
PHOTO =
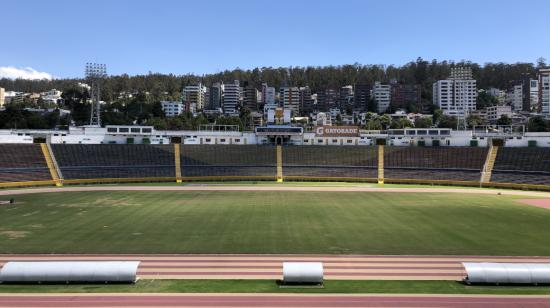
224,217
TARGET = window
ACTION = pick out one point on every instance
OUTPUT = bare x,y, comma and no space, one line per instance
349,141
207,140
334,140
135,130
111,129
237,140
319,141
123,130
222,140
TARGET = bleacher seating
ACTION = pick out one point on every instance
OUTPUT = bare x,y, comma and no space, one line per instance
228,160
22,162
78,161
25,162
434,163
330,161
522,165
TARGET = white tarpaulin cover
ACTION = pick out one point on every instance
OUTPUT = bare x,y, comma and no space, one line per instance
70,271
532,273
303,272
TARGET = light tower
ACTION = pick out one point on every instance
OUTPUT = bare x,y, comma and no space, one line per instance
94,74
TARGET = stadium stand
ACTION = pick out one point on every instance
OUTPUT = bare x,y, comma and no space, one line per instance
330,162
522,166
22,162
434,163
78,161
140,162
228,160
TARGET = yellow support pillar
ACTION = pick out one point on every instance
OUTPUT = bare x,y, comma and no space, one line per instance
51,166
489,164
177,160
279,164
380,164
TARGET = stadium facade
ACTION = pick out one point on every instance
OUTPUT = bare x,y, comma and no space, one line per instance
282,135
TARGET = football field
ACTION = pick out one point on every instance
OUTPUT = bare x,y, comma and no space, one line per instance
273,222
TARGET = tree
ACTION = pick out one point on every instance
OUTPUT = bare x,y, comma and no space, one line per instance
447,122
401,123
537,124
423,122
474,120
504,120
485,100
385,121
373,124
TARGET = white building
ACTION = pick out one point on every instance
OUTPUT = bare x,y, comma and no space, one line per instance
544,90
457,95
515,97
290,98
194,96
172,109
499,94
534,93
381,93
495,112
231,97
2,99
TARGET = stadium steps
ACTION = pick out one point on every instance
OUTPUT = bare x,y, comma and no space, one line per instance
50,163
279,164
489,164
380,164
177,160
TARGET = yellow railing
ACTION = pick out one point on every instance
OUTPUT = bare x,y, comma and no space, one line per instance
380,164
279,164
489,164
51,165
177,160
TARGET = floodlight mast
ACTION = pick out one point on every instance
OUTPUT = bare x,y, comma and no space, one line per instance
94,74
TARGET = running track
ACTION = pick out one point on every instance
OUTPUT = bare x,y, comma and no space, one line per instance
343,267
268,300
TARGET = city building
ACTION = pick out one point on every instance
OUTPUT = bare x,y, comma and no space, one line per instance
307,101
327,99
381,94
499,94
231,98
405,95
268,95
216,96
495,112
193,96
533,94
250,97
345,98
2,99
290,99
544,90
515,95
361,96
457,95
172,109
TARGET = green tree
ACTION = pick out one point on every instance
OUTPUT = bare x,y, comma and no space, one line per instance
423,122
504,120
401,123
474,120
447,122
537,124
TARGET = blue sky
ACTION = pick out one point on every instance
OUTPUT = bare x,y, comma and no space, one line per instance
135,37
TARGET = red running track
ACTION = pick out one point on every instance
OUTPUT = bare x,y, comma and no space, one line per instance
269,300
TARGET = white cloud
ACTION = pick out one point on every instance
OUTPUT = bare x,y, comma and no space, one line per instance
12,72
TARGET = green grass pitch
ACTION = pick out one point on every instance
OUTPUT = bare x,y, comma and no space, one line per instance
273,222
